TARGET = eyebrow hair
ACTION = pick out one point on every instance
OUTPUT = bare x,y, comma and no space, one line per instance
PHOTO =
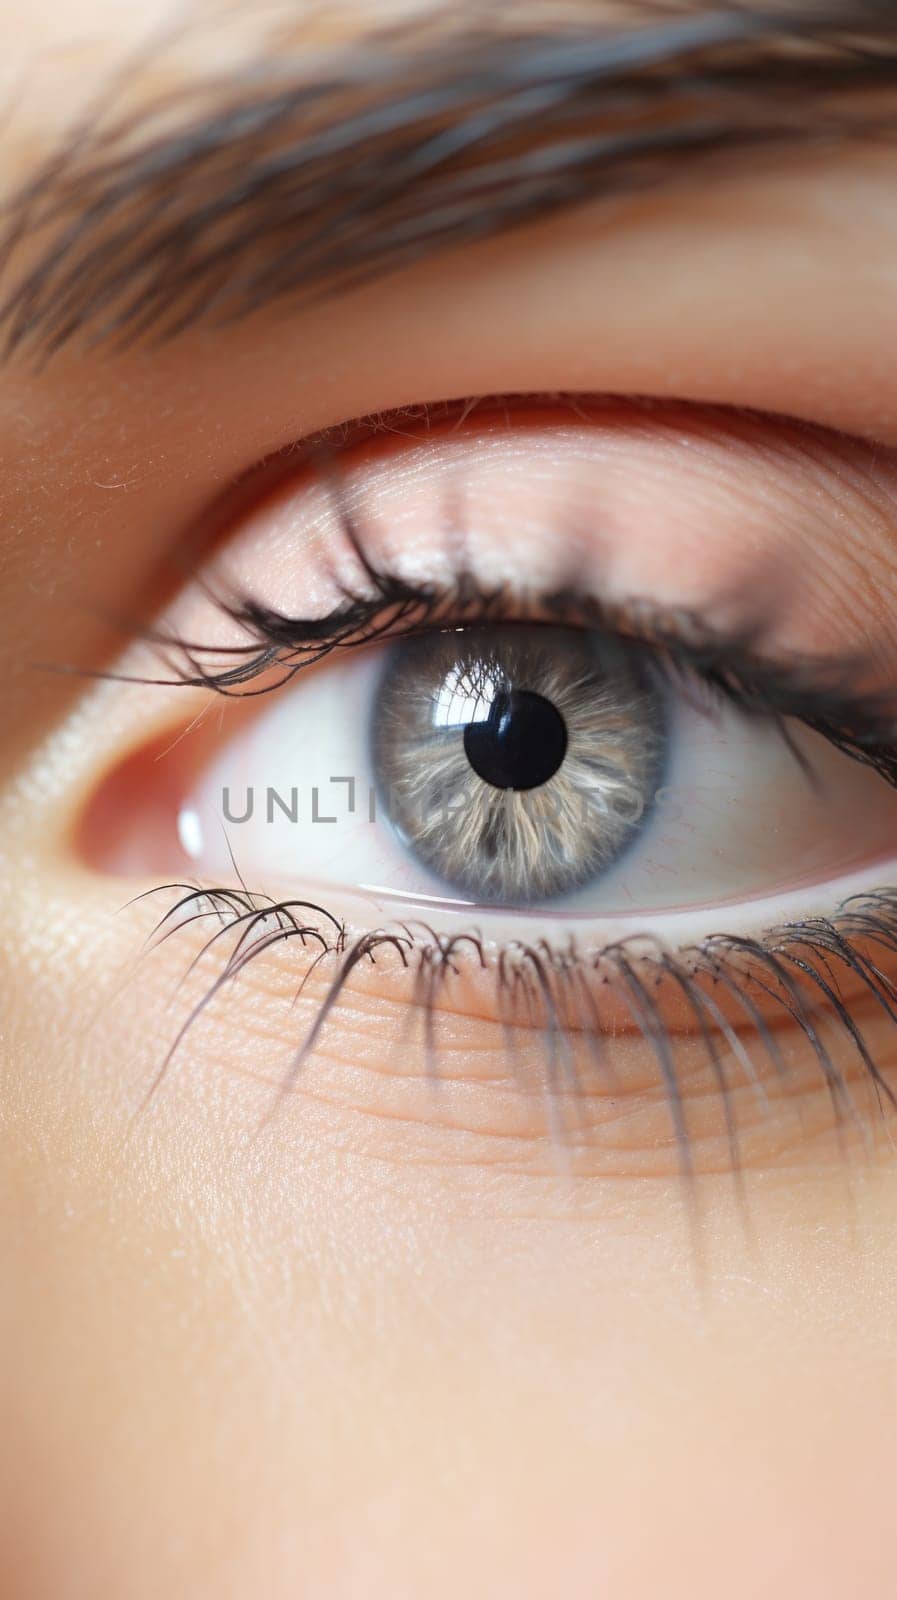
306,174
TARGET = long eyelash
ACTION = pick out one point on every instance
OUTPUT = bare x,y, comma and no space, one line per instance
728,666
726,985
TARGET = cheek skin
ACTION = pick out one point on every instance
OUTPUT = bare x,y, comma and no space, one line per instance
333,1327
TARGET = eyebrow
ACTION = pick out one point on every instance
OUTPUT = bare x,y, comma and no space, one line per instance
307,174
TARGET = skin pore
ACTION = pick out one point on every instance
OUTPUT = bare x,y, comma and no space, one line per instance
381,1342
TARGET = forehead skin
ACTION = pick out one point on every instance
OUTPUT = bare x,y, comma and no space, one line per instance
296,1367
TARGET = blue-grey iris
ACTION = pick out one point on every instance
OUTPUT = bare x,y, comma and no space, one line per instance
518,761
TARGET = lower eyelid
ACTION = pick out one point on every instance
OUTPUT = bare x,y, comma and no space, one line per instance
470,1082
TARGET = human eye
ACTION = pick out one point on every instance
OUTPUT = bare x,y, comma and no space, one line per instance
524,760
448,865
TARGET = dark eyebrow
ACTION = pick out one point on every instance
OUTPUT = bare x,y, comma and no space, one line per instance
305,173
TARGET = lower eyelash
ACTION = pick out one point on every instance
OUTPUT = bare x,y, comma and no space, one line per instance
728,986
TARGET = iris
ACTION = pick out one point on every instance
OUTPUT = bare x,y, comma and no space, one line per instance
518,761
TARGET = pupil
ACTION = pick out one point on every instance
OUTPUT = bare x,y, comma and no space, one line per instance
521,743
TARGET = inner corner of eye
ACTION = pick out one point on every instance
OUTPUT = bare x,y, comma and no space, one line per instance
130,823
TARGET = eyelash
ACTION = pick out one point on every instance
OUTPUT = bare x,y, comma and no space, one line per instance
819,692
560,990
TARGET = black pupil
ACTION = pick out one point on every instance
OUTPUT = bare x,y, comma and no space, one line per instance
521,743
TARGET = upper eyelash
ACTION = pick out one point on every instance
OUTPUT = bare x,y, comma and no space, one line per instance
820,692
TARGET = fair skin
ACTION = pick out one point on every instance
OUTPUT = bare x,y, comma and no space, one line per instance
376,1345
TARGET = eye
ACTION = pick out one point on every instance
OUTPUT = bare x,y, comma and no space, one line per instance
529,662
521,765
553,700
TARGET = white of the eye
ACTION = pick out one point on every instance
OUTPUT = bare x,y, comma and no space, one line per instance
736,819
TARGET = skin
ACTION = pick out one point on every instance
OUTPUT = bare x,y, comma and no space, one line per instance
379,1344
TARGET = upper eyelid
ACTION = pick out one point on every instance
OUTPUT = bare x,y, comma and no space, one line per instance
231,518
848,472
824,693
830,691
